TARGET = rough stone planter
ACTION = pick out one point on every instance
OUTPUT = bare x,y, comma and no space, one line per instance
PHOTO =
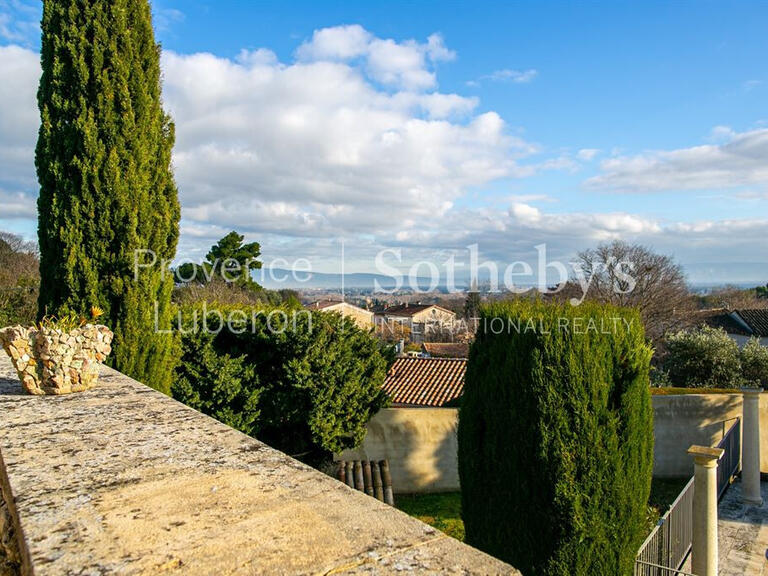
52,361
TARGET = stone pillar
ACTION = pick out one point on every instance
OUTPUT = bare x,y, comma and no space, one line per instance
704,552
750,447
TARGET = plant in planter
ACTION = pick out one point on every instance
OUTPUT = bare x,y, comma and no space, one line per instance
58,355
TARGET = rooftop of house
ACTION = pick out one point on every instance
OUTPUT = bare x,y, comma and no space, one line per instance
431,382
121,479
756,319
446,349
323,304
411,309
742,322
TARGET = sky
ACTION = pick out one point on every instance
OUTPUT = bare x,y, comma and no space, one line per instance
429,127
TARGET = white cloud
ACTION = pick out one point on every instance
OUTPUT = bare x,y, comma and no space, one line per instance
397,64
587,154
19,119
507,75
339,42
165,18
19,21
299,154
740,161
314,147
516,76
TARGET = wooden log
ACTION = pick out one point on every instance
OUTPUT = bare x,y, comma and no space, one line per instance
389,497
350,474
359,476
378,489
367,477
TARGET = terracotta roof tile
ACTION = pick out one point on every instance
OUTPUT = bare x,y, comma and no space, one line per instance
425,381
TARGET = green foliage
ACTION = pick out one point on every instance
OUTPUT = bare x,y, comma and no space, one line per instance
319,377
556,437
217,384
103,161
19,280
232,260
762,291
754,363
228,261
702,358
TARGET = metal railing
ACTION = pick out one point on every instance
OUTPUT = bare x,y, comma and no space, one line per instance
668,545
661,570
728,465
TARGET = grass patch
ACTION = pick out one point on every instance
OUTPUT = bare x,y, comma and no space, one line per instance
663,493
441,511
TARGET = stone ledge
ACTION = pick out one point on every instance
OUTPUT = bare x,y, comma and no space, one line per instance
121,479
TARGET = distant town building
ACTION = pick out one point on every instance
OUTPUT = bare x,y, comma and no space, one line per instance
363,318
418,320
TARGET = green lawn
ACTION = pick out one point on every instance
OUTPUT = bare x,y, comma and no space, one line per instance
443,511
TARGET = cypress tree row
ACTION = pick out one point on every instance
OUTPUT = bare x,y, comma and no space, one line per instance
106,188
556,438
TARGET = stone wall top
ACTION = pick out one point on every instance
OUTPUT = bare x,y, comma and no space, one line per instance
121,479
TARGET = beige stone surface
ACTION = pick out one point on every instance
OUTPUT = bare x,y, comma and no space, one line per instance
742,535
120,479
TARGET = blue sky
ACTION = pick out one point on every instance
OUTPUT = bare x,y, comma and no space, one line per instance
431,126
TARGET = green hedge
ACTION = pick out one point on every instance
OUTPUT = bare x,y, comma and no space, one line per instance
556,437
303,382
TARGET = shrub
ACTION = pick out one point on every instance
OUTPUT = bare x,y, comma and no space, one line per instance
703,358
556,437
754,363
216,383
319,381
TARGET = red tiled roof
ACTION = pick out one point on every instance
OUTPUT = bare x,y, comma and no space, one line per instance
425,381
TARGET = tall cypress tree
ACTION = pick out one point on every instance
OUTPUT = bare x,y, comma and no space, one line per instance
106,188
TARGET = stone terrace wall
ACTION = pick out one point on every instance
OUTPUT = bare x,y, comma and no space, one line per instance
421,444
123,480
686,419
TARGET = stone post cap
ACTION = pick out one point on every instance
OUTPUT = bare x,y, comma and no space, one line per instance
705,454
750,390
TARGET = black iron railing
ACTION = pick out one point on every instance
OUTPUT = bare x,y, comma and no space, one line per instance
728,466
668,545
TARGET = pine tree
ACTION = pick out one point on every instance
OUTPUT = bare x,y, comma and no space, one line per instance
106,188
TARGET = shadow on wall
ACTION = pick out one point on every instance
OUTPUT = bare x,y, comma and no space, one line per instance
420,444
684,420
